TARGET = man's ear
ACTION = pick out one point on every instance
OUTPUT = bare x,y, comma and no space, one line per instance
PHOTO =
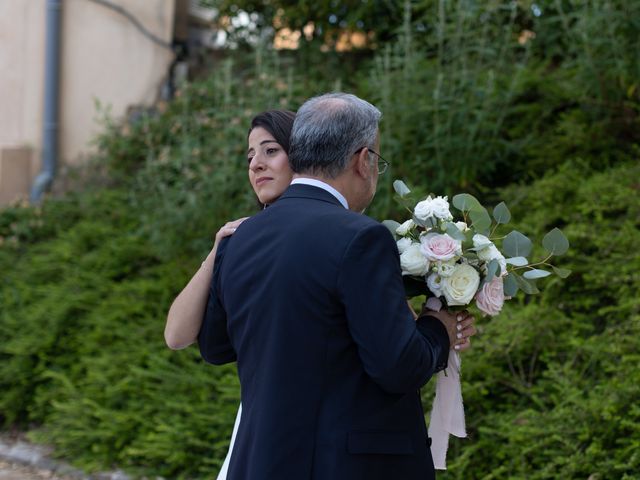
361,163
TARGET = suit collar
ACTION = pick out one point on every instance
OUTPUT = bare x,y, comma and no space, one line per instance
299,190
323,185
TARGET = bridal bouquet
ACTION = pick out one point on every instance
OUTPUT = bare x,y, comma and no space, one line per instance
466,259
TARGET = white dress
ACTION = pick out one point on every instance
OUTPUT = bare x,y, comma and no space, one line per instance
222,475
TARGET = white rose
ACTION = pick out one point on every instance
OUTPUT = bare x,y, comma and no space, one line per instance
403,244
492,253
422,210
480,241
461,286
434,283
405,227
433,207
462,226
440,207
413,262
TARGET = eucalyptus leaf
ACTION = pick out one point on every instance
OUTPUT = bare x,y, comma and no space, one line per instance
465,202
470,255
535,273
561,272
392,225
421,223
527,286
453,232
510,285
555,242
492,269
401,188
431,222
501,213
480,220
516,245
480,245
518,261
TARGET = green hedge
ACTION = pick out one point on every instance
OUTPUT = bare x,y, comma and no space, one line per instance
551,385
83,354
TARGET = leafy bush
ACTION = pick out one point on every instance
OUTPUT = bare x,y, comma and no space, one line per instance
550,385
490,93
82,315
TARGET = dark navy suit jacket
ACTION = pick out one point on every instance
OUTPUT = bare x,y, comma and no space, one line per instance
308,298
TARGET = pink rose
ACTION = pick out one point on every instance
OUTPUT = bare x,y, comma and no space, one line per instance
490,298
436,246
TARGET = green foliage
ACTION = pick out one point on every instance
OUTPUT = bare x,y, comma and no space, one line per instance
82,353
491,94
328,18
551,384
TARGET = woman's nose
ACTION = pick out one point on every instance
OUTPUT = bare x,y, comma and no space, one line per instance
256,163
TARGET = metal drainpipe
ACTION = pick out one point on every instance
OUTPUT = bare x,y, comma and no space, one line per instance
51,101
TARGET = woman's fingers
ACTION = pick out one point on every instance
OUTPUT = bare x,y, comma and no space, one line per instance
462,345
466,329
229,228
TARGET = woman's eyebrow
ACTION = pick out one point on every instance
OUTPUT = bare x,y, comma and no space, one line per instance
262,143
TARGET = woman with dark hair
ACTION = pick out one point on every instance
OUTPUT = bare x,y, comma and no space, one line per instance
269,175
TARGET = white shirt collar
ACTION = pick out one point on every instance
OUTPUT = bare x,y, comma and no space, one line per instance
324,186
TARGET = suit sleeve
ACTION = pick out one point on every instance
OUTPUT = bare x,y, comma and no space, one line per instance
398,353
213,339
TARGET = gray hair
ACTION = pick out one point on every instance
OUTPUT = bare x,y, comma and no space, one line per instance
328,130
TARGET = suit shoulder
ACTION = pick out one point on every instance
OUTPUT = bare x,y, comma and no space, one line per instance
358,221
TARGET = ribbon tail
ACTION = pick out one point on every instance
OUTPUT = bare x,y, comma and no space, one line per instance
447,414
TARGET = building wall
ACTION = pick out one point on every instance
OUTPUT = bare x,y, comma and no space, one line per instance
104,59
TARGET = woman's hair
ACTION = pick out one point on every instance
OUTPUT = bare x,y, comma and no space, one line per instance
278,123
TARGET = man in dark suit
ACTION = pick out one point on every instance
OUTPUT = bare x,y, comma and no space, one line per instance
307,296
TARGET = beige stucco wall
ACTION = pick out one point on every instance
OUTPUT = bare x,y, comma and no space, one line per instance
104,58
21,72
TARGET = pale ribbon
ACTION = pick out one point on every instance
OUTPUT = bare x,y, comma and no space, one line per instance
447,414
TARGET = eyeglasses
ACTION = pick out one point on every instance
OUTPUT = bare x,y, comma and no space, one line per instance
382,163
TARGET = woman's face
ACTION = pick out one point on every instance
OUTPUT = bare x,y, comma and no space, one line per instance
269,171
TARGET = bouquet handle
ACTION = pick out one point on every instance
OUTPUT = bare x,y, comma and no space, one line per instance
447,414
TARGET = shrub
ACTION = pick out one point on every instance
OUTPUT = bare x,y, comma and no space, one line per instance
550,385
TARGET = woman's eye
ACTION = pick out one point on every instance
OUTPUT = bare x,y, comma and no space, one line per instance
249,159
271,151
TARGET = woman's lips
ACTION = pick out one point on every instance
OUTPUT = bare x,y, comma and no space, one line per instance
260,181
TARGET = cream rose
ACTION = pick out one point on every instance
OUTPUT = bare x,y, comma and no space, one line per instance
440,246
413,262
433,207
490,298
403,229
403,244
461,286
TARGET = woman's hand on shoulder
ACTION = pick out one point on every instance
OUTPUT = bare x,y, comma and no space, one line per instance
228,229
